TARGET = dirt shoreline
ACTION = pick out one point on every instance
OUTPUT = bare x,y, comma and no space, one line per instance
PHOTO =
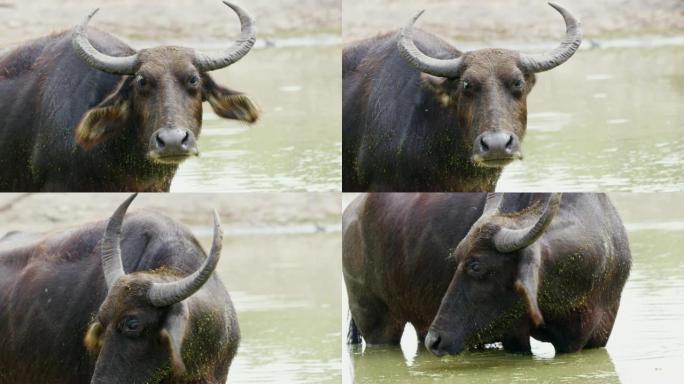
189,20
517,20
41,212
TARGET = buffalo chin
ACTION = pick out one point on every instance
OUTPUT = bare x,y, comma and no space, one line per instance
498,162
175,159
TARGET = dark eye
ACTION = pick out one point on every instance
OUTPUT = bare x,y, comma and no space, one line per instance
193,80
132,326
518,84
467,85
475,268
141,81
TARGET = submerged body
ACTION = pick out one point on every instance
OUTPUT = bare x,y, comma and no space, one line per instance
52,290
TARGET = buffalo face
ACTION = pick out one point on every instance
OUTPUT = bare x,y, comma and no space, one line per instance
158,102
142,325
487,90
494,288
489,96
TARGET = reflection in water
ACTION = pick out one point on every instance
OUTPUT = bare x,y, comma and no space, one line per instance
647,343
609,119
296,145
287,295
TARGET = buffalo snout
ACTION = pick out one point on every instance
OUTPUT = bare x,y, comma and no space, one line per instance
173,145
496,149
440,343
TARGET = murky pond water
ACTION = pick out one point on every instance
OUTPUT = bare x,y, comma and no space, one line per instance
296,144
647,343
609,119
286,291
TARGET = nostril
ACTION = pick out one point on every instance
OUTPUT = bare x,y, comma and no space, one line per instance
160,142
484,145
435,342
186,137
509,143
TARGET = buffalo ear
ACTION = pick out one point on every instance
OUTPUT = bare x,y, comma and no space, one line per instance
527,283
173,334
93,337
437,85
228,103
106,119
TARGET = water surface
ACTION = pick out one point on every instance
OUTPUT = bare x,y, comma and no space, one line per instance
647,343
286,290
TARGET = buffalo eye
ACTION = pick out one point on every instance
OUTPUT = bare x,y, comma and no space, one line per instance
142,82
193,80
467,86
474,268
518,85
132,326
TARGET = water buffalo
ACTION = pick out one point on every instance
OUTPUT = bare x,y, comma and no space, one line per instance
479,269
396,260
546,267
70,314
419,115
85,112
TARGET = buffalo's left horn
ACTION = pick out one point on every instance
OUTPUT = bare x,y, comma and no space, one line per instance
165,294
111,244
421,61
126,65
567,48
209,62
510,240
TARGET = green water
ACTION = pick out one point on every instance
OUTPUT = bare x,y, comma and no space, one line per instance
286,290
607,120
295,146
647,343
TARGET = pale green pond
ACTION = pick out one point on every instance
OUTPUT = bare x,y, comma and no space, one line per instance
286,290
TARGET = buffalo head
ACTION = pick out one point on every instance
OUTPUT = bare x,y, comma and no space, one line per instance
496,278
161,94
488,88
140,328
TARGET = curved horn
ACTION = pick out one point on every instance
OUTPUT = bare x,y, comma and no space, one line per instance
110,248
510,240
96,59
421,61
165,294
567,48
209,62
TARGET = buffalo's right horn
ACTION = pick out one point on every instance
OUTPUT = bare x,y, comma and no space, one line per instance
126,65
510,240
111,244
165,294
209,62
421,61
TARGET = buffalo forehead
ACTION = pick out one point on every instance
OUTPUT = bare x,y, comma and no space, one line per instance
492,60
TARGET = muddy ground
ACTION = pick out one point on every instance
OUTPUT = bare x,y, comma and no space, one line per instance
168,20
40,212
517,20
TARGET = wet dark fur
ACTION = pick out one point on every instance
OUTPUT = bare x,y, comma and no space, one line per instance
584,263
46,90
52,286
